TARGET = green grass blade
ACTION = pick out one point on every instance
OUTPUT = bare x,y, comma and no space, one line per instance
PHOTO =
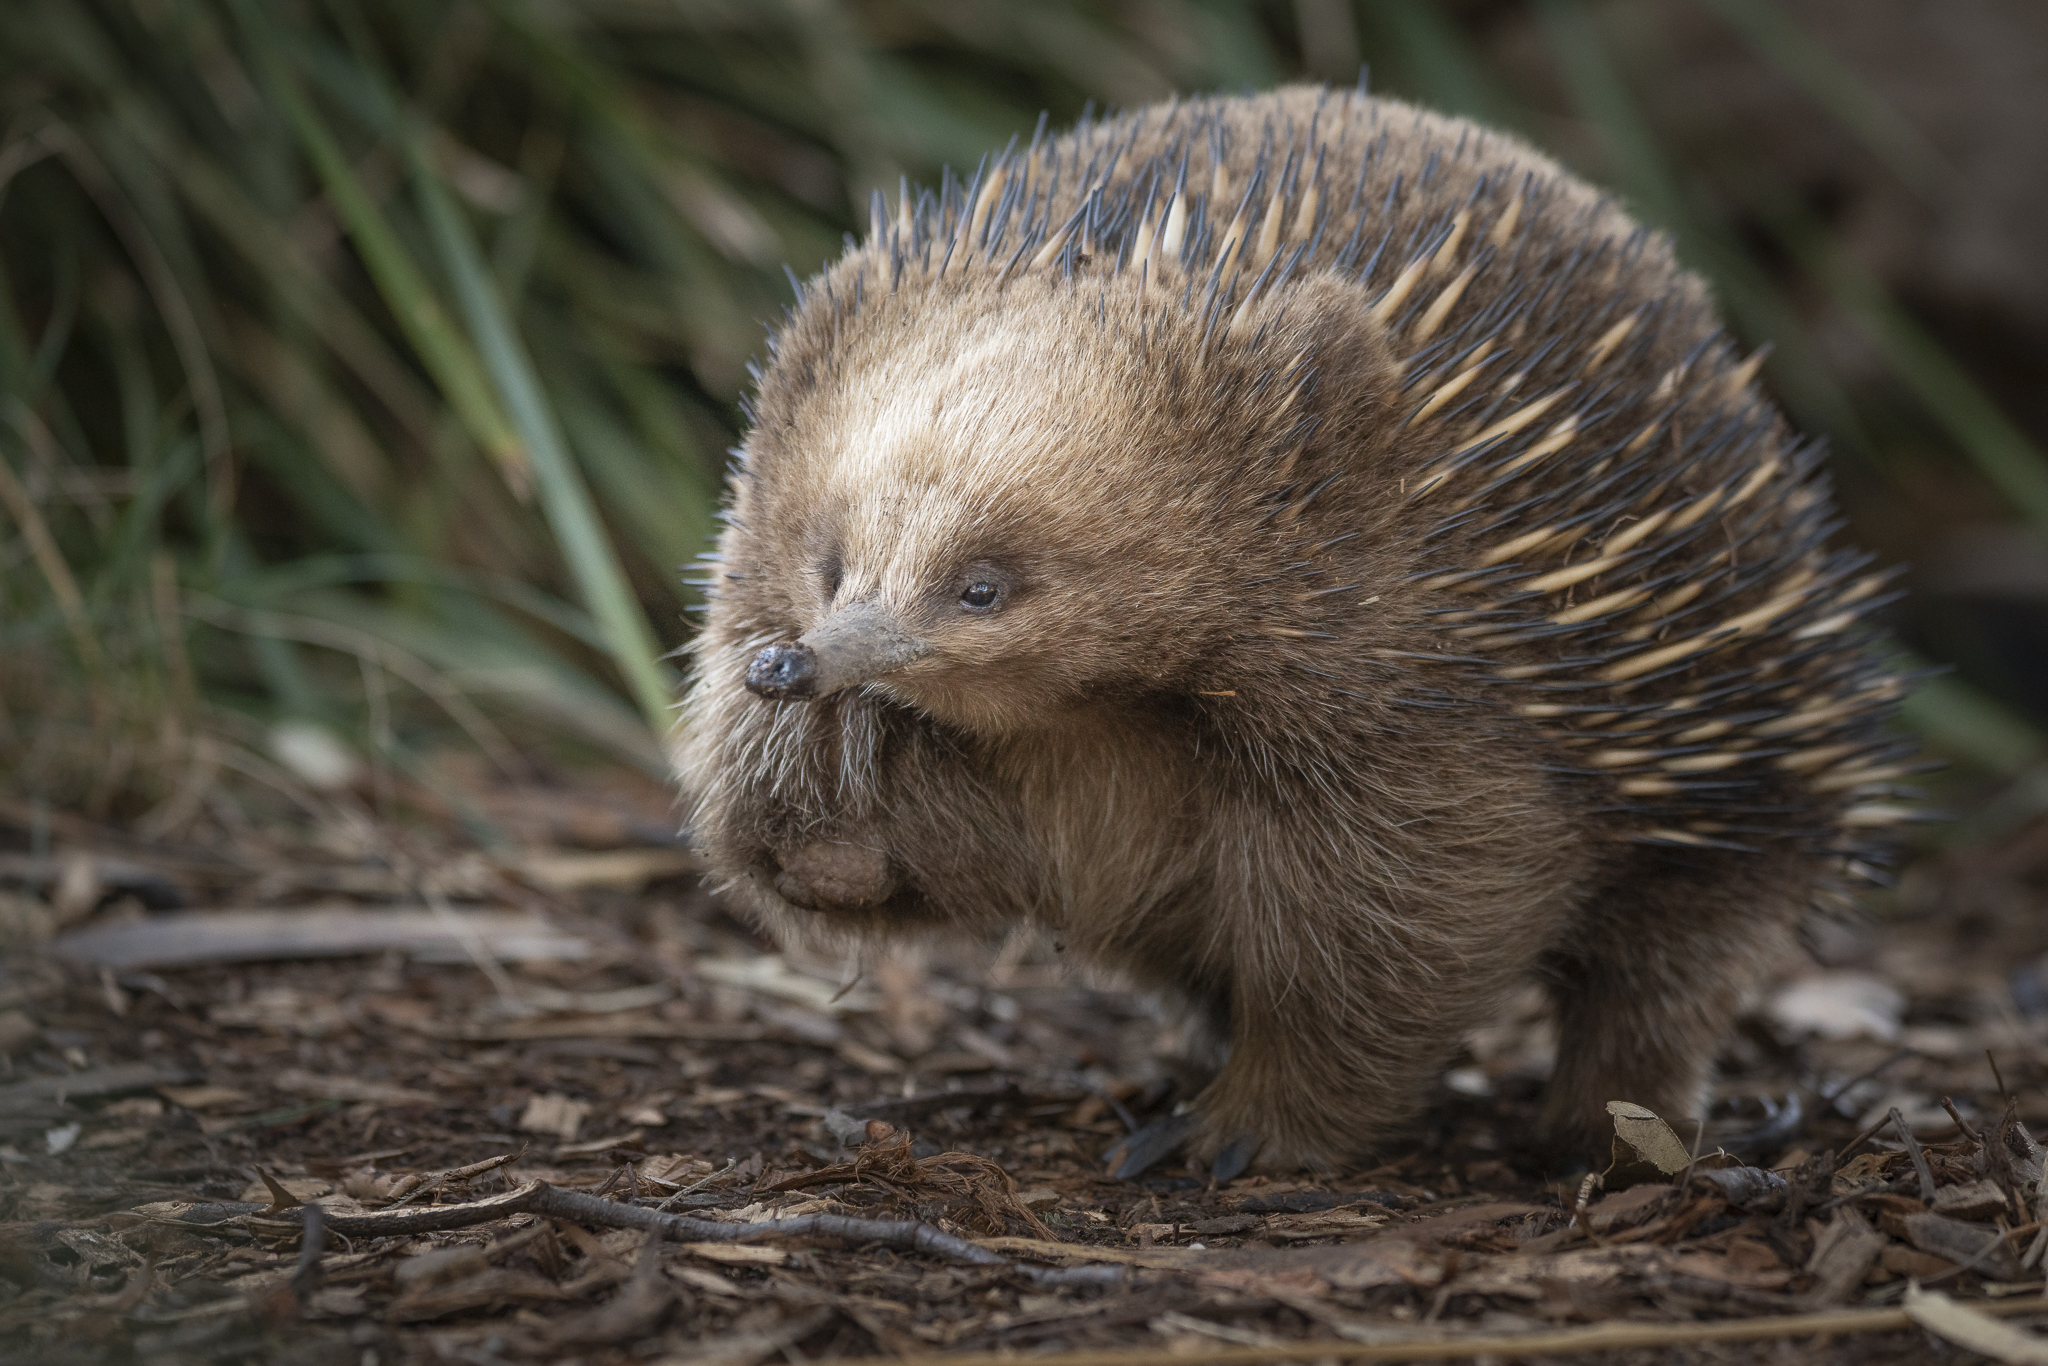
402,284
563,493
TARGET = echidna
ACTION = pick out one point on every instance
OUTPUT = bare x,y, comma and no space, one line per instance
1317,557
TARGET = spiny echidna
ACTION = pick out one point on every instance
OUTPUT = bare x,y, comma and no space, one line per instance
1319,558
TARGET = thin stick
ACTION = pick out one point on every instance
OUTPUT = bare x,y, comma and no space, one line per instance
1920,1166
1962,1125
552,1202
675,1196
1699,1132
1580,1219
1853,1144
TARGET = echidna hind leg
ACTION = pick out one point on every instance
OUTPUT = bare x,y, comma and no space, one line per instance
1651,980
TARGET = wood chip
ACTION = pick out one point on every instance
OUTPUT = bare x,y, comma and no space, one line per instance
551,1113
1843,1252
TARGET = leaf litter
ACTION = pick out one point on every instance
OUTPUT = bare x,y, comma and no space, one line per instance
536,1096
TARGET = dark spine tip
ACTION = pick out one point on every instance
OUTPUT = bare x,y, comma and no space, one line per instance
781,672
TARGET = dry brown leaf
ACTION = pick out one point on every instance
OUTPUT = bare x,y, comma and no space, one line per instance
1648,1149
1640,1136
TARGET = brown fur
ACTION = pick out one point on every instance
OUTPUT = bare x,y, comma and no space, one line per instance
1289,708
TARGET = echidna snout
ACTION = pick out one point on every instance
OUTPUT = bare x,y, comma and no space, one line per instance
857,643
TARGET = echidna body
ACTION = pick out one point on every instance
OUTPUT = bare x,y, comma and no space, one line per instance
1319,558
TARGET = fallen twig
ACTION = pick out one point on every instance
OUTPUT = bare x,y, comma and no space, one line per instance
538,1197
1962,1125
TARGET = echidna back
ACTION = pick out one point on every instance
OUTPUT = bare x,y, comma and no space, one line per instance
1623,541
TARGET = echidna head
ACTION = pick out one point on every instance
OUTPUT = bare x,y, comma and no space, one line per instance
996,505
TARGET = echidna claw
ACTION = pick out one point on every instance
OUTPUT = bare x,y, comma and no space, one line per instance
1161,1138
1235,1156
1780,1122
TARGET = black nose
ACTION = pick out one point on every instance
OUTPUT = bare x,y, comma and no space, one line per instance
782,671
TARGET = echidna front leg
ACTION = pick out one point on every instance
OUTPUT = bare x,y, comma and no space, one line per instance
1650,981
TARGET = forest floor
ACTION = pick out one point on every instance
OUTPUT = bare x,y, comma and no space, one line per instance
548,1100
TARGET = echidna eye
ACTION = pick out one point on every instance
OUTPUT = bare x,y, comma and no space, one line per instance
979,596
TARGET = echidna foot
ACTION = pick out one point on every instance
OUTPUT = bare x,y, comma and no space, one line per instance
1172,1133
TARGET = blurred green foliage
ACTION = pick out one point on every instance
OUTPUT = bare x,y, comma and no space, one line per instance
370,362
